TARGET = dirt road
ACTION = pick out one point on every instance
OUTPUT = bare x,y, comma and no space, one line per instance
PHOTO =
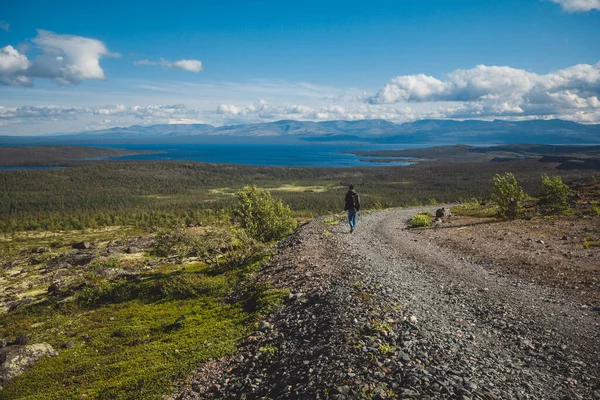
386,313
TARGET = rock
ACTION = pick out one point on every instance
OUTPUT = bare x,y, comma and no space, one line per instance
265,326
68,344
21,340
132,250
54,288
442,213
16,359
111,273
40,250
3,343
81,245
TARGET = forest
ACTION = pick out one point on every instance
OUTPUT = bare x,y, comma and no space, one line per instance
151,194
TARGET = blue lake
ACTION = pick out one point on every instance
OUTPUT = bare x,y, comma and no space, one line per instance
26,167
314,155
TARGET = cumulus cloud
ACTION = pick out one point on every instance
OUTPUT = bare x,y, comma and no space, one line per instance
66,59
33,114
183,65
148,114
264,112
13,67
5,26
496,90
578,5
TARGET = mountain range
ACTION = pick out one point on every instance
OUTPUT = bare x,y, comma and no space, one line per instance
366,131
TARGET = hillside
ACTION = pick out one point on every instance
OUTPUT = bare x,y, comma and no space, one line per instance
445,312
52,155
365,131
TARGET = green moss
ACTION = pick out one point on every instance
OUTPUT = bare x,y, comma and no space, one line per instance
130,341
475,210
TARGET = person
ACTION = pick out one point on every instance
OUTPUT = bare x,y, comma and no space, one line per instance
352,206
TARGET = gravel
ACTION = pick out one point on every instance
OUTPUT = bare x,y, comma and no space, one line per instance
384,313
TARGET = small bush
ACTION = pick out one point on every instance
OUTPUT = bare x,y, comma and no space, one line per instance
421,220
555,195
174,242
508,195
190,286
262,217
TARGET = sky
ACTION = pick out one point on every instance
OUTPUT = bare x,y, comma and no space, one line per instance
68,66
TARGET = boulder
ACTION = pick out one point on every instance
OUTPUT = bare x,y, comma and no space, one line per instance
442,213
81,245
21,339
112,273
14,360
54,288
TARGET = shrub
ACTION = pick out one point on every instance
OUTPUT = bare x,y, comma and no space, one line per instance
191,286
174,242
508,195
262,217
421,220
555,193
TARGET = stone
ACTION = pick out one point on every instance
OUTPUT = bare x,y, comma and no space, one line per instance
265,326
3,343
21,340
81,245
54,288
68,344
17,359
442,213
111,273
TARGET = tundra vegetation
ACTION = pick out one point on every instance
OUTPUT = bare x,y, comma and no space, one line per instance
167,280
128,322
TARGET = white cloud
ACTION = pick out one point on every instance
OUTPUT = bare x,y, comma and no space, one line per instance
66,59
184,65
578,5
500,91
5,26
13,66
264,112
36,114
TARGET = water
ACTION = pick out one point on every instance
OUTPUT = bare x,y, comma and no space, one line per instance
313,155
27,167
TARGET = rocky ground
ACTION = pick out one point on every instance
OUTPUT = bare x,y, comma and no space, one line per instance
458,311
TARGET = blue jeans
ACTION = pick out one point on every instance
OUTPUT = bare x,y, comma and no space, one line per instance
352,218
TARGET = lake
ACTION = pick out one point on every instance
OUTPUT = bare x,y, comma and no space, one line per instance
313,155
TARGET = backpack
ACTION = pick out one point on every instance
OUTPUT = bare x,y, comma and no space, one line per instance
350,201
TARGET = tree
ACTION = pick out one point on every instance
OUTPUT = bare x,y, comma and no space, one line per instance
262,217
508,195
555,193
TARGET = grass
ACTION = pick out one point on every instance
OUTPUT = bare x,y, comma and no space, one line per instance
420,220
593,243
127,341
475,210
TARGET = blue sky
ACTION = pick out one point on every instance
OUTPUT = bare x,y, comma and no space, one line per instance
70,66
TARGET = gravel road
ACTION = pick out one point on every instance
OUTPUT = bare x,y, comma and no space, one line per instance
385,313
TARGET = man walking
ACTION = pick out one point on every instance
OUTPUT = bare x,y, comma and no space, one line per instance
352,206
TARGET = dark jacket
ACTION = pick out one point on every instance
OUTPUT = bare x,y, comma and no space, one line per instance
352,201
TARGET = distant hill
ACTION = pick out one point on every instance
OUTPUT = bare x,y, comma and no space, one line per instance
371,131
